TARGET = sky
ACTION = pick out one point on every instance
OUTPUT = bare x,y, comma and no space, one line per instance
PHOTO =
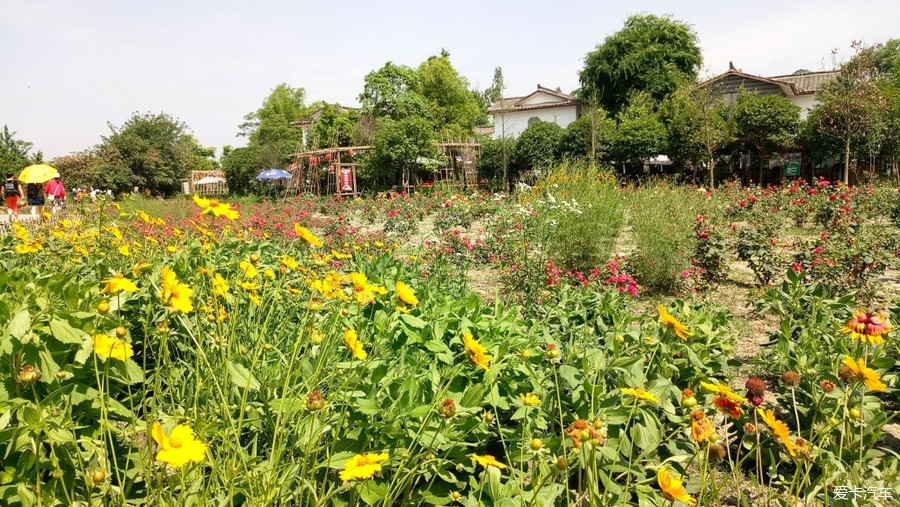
68,67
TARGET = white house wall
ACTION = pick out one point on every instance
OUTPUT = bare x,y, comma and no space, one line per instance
806,102
513,123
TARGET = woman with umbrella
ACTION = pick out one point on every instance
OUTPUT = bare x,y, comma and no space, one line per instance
35,176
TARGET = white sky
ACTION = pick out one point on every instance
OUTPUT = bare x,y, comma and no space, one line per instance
68,67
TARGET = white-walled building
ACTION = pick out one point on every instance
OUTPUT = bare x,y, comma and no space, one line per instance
800,87
514,114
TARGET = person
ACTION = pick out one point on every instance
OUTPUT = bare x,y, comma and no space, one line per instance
56,192
34,196
13,192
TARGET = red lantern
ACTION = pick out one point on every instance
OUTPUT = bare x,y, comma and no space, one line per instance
351,152
328,157
331,168
313,161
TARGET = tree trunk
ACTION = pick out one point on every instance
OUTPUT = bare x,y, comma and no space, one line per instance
847,161
712,173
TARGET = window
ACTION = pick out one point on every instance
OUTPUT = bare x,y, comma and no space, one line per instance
533,119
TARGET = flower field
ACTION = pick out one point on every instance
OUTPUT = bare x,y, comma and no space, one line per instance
577,343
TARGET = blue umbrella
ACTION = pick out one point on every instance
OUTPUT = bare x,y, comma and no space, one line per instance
274,174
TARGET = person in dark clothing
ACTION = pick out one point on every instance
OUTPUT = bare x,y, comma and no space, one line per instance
34,196
13,192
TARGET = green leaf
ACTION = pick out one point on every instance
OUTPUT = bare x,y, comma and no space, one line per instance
368,406
20,324
372,492
65,333
412,321
242,377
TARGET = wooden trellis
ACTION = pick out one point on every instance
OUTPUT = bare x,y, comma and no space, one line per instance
326,171
208,182
461,170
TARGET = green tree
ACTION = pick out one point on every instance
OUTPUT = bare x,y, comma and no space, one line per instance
537,148
493,160
271,123
590,137
241,165
494,92
765,125
399,145
650,54
697,127
454,108
154,151
14,153
334,127
640,133
852,105
393,92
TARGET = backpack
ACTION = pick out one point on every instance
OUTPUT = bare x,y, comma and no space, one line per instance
11,188
33,190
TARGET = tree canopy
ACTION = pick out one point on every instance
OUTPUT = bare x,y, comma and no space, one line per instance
650,54
765,124
14,153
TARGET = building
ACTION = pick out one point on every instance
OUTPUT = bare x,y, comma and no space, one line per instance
514,114
799,87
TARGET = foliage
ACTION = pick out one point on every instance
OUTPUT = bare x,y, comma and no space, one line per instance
536,148
393,92
756,242
334,127
14,153
765,124
590,137
152,151
650,54
399,144
494,154
454,108
663,233
640,133
850,106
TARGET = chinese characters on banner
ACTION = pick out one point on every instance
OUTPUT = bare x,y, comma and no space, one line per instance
861,493
346,181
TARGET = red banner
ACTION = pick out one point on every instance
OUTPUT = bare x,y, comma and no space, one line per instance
347,180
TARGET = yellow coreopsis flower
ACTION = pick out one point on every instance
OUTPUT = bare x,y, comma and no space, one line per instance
107,347
362,466
179,447
487,461
477,352
406,294
640,393
779,429
353,343
216,208
669,321
529,399
219,286
174,293
868,376
673,487
723,390
118,283
249,269
125,251
309,237
289,262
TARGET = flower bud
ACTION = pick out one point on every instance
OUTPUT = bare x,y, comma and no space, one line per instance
28,375
448,408
827,385
562,463
536,444
315,401
790,378
98,476
103,307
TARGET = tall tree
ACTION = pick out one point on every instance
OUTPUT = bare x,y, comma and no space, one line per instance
852,105
14,153
698,127
454,108
494,92
537,147
393,92
765,125
271,123
640,133
590,137
155,151
650,54
399,146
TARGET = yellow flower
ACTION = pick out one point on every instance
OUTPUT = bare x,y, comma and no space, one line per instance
219,286
118,283
353,343
406,294
702,429
289,262
29,246
249,269
269,274
362,466
107,347
529,399
144,216
125,251
180,447
477,352
640,393
672,487
868,376
723,390
779,429
219,209
487,461
255,299
669,321
174,293
304,233
141,266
